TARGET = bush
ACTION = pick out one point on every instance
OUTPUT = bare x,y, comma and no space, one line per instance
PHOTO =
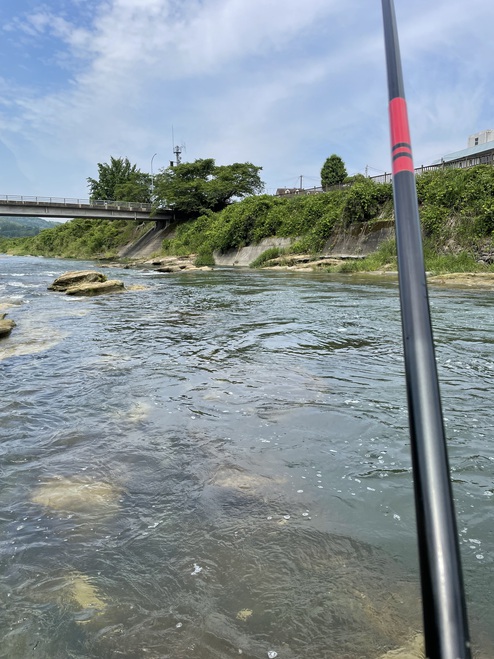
433,219
363,200
204,258
267,255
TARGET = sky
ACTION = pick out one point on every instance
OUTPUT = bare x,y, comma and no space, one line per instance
282,84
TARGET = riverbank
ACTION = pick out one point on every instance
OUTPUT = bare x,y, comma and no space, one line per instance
350,230
309,264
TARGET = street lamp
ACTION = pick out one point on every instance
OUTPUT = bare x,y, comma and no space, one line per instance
152,177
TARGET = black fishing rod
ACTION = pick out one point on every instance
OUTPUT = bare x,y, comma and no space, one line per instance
443,598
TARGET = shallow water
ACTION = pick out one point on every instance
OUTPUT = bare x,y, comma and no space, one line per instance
220,463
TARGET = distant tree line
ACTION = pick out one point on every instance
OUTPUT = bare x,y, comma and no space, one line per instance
15,227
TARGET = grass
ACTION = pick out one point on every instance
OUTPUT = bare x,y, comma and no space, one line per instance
384,256
439,264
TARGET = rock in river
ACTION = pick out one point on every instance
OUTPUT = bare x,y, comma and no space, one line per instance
6,325
96,288
86,282
69,279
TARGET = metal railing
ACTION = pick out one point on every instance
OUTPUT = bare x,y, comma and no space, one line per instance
385,177
76,203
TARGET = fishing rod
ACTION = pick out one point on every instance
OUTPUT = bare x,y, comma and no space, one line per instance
443,597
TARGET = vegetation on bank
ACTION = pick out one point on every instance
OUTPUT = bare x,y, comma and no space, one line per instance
310,220
436,262
456,208
119,180
78,239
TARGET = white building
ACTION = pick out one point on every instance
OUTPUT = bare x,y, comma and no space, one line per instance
481,138
480,151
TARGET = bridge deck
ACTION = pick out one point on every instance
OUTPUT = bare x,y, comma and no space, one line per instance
68,208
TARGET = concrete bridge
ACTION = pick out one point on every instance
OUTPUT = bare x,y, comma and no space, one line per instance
60,207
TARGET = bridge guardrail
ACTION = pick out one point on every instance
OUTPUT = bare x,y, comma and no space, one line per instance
71,203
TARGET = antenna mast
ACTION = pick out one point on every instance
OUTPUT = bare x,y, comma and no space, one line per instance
177,151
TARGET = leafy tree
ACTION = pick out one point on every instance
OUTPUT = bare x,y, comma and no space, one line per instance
120,181
333,171
194,188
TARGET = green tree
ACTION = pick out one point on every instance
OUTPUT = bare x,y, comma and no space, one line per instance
120,181
194,188
333,171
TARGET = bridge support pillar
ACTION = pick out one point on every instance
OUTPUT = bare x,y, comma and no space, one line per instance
162,224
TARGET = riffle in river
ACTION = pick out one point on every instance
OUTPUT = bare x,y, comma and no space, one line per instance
217,464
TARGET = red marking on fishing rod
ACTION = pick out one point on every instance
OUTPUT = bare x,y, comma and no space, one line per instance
400,136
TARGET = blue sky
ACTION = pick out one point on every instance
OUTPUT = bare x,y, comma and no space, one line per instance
279,83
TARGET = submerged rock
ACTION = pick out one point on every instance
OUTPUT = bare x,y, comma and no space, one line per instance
6,325
75,278
76,494
81,592
413,650
236,478
74,592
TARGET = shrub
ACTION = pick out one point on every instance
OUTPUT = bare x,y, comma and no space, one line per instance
267,255
204,258
363,200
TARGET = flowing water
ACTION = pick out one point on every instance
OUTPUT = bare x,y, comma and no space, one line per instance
215,464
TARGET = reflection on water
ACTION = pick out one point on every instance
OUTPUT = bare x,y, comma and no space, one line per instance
217,464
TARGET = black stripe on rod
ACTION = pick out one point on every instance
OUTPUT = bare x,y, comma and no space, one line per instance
444,608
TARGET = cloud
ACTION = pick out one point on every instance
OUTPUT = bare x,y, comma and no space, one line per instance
282,84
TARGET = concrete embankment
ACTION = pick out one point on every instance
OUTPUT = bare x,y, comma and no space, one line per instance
147,245
245,255
355,241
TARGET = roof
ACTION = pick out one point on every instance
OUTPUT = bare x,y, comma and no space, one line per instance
465,153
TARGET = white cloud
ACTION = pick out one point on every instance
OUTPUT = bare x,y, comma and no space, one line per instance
280,83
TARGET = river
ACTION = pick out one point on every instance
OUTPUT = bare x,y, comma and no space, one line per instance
215,464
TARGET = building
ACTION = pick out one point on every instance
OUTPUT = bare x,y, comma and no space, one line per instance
481,138
480,151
